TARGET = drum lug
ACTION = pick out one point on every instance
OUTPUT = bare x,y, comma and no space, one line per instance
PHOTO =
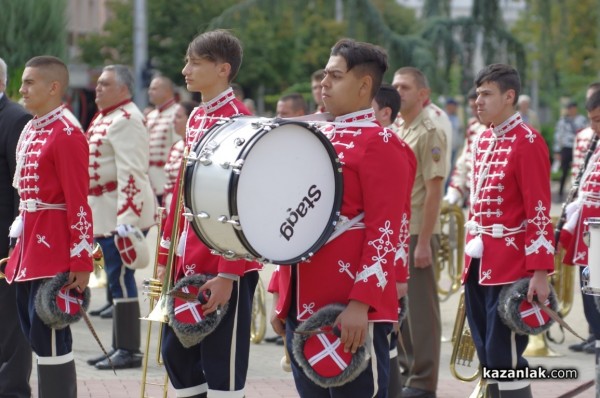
203,214
236,167
239,141
234,221
205,160
229,254
188,216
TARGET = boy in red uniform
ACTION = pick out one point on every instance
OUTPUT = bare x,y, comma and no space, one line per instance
217,366
55,232
378,171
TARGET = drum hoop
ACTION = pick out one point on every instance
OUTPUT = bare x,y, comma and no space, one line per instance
189,172
337,198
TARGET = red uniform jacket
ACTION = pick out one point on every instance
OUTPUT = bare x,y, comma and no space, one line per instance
588,199
196,257
364,262
510,203
53,179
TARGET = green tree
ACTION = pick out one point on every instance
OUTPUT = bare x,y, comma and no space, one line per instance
286,41
29,28
563,39
172,24
458,41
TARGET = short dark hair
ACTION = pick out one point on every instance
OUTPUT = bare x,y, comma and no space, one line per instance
364,58
593,102
188,106
297,100
419,76
594,86
472,94
54,66
505,76
218,46
387,96
319,75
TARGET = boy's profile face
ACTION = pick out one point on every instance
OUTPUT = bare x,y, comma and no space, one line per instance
492,104
340,87
201,73
35,89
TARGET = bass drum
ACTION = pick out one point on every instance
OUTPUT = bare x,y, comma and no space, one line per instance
261,189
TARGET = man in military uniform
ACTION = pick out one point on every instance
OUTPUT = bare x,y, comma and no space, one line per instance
121,199
422,334
162,130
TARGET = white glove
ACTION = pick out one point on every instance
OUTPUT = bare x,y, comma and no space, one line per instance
124,229
453,196
572,208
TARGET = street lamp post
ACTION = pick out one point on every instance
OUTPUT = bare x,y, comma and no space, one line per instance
140,51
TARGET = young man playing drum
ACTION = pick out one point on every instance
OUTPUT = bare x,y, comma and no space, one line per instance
356,269
217,366
509,228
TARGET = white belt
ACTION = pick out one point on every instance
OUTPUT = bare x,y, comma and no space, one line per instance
494,230
33,205
344,224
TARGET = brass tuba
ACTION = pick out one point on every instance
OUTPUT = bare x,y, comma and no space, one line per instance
563,281
258,322
2,262
463,347
450,254
157,290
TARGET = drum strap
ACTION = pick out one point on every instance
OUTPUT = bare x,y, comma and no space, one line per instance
344,226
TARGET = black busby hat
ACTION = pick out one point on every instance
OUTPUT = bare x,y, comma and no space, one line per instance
322,356
187,318
58,307
520,315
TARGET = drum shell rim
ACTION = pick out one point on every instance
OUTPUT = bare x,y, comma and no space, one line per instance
187,198
337,200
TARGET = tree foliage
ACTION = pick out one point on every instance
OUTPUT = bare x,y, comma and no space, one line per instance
29,28
563,38
172,24
461,41
286,41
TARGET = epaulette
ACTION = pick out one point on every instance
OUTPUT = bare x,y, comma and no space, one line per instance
428,123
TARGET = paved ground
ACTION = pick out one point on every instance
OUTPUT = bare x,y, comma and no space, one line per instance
267,379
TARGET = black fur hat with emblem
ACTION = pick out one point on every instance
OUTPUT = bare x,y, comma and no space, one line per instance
58,307
520,315
186,317
322,355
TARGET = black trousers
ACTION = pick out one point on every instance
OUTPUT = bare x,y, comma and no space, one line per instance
566,157
15,352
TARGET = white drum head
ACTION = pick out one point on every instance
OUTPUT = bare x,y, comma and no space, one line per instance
286,193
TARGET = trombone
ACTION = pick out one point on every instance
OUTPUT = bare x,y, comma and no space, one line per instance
158,290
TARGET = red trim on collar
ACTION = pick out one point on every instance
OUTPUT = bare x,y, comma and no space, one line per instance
166,104
108,110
